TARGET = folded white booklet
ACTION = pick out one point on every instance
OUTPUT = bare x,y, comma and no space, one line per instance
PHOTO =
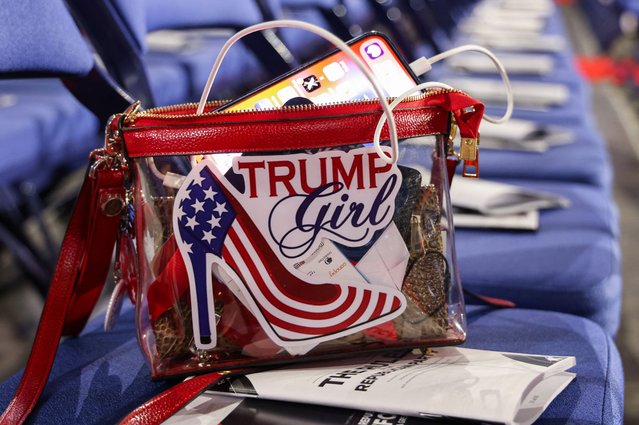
537,64
500,199
215,408
527,24
446,382
475,220
523,135
481,203
527,94
513,42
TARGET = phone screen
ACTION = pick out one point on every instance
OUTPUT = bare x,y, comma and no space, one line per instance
335,78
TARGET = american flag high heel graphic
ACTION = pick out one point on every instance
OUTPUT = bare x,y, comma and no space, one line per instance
214,231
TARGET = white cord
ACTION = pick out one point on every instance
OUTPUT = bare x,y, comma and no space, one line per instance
339,44
423,65
150,162
400,98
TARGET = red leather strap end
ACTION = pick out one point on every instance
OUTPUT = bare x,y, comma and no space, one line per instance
498,302
166,404
101,233
491,301
471,168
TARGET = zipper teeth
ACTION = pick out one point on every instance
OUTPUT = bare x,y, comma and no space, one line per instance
161,112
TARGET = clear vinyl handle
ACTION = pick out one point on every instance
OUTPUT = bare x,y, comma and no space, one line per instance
340,45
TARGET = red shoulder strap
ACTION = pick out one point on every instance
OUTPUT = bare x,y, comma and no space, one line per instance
78,279
166,404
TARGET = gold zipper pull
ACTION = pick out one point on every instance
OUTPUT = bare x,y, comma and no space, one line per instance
468,149
131,112
469,153
112,154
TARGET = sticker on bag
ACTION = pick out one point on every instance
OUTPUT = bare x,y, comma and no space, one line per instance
252,229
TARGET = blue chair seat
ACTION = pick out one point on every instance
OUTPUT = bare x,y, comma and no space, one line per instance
590,207
571,264
554,25
585,160
573,110
596,394
99,377
564,70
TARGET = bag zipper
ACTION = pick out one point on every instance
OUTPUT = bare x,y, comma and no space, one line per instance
469,146
163,111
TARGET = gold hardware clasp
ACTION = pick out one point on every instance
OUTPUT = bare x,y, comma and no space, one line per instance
112,154
468,149
470,155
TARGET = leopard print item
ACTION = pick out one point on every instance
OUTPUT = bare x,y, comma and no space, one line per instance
174,332
427,275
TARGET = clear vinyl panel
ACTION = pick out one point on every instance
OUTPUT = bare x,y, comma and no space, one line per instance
272,257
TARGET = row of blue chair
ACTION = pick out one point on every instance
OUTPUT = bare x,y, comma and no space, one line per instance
564,278
572,263
46,130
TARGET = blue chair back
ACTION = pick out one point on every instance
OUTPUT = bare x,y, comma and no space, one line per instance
40,38
45,130
118,30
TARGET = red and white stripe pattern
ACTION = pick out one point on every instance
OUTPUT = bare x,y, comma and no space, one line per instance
293,312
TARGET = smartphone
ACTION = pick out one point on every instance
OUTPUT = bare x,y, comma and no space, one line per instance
332,78
335,78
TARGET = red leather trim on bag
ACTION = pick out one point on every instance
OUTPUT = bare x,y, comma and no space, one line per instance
94,270
166,404
335,125
80,273
276,135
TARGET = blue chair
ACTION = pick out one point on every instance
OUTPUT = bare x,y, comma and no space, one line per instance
118,30
563,69
45,128
584,160
571,264
100,377
596,394
302,45
344,18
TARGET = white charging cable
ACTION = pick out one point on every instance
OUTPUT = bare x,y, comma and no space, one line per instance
339,44
419,67
400,98
423,65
